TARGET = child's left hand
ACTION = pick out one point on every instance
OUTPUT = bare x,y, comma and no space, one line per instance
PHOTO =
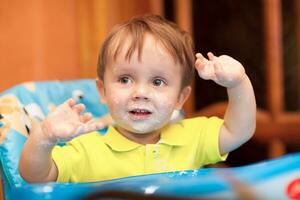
224,70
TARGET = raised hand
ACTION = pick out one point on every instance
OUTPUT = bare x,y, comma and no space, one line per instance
224,70
68,121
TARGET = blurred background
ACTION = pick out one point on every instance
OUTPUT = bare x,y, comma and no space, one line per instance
60,39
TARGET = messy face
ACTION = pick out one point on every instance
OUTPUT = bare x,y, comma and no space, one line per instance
142,93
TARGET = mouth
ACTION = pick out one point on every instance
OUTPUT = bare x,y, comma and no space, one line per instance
140,114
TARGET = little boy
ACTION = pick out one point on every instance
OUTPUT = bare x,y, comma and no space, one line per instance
144,71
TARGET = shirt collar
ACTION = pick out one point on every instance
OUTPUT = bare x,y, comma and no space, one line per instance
117,141
171,135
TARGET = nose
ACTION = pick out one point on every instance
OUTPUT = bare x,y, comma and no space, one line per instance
141,93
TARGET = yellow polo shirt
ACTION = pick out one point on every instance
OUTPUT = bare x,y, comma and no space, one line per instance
188,144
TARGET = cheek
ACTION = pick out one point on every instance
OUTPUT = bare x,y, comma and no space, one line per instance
115,100
114,103
165,101
112,99
114,96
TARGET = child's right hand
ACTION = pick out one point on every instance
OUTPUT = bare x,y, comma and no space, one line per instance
67,121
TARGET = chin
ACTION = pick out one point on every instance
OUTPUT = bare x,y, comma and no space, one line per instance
142,127
143,131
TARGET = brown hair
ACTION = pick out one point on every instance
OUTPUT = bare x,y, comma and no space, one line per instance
177,42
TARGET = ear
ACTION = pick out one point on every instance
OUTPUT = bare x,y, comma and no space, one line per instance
101,90
183,96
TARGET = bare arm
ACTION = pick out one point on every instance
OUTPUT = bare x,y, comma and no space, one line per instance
63,123
36,164
240,117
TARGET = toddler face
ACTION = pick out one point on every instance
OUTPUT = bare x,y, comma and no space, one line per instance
142,94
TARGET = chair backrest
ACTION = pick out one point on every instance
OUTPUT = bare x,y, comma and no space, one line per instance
30,102
45,95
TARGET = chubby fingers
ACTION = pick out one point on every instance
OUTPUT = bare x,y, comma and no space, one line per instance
211,56
85,117
78,108
201,61
88,127
70,102
215,62
204,66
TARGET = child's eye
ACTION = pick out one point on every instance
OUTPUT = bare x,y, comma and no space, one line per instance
124,80
158,82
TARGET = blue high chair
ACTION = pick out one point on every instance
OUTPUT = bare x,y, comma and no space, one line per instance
272,179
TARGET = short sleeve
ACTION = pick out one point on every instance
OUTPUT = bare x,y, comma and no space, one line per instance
211,134
69,161
205,133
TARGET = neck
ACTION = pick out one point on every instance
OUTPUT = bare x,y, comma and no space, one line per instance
147,138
